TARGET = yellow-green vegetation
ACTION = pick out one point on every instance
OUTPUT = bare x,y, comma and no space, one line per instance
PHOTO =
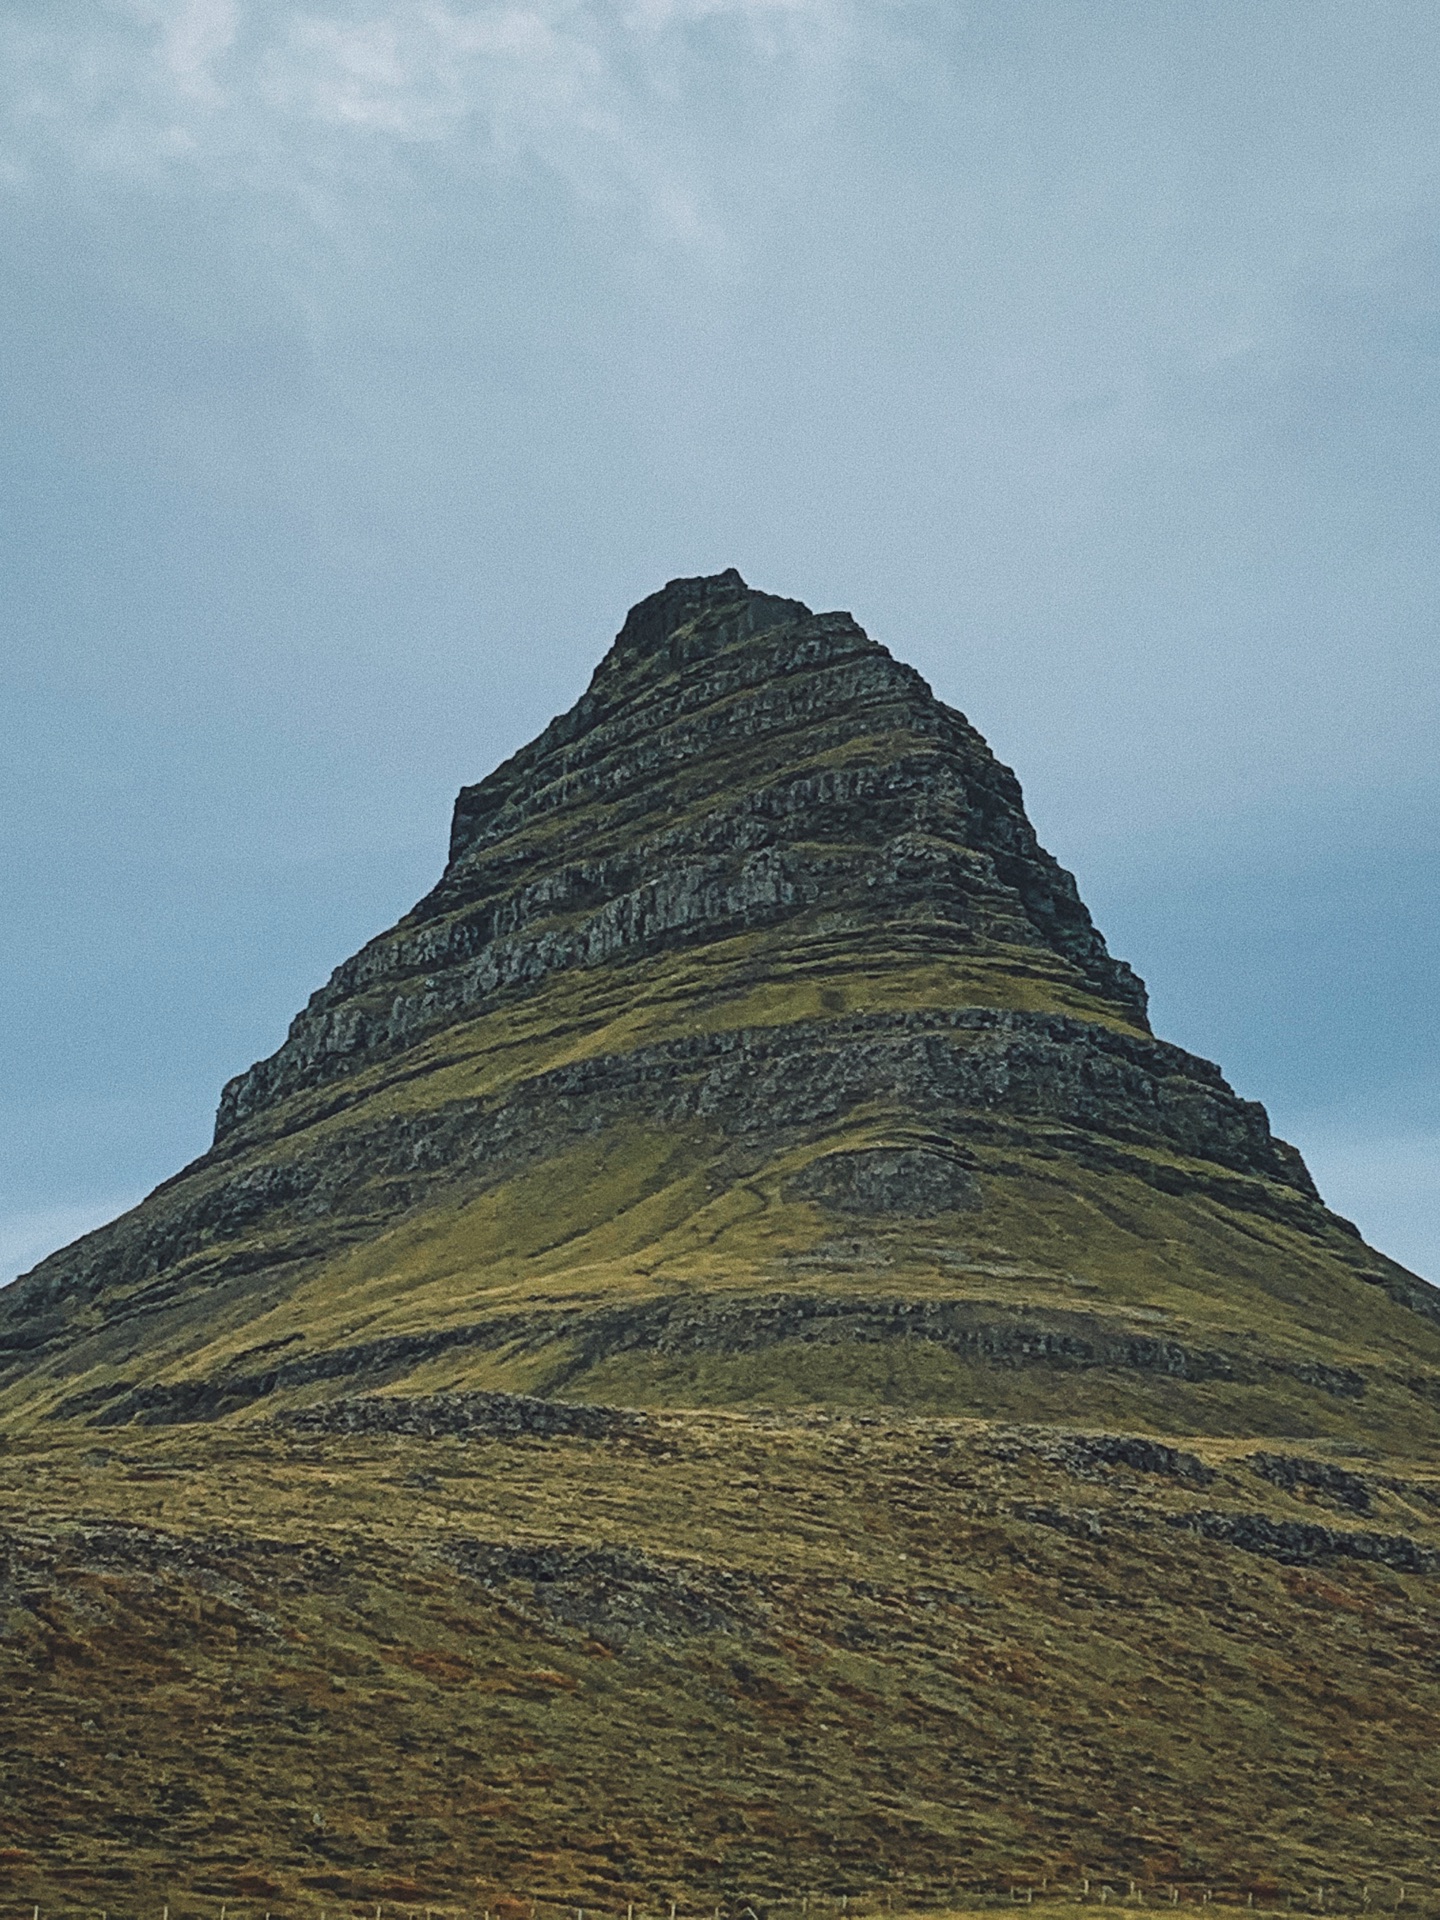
1276,1333
750,980
721,1363
710,1656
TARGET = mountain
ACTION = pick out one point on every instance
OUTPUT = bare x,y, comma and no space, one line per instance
750,1050
722,1362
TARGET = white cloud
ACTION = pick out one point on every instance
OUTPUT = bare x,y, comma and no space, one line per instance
192,37
270,95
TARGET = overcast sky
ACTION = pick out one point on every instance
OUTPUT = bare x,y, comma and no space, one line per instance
362,361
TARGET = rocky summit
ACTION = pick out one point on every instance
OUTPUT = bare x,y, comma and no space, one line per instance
722,1360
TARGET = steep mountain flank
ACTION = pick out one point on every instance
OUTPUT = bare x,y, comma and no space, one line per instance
722,1363
750,1050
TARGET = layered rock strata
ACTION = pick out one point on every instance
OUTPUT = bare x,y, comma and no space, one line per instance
754,944
736,763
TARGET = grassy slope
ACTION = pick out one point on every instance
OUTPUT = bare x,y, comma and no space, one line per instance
638,1213
933,1651
831,1647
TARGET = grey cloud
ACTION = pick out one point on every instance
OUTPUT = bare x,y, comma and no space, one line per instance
313,102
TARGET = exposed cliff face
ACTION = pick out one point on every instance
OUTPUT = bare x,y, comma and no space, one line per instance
753,946
737,763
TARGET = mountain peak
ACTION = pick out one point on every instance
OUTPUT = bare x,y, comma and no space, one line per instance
751,1054
721,604
748,990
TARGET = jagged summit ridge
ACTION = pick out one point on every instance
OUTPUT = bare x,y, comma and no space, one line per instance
738,762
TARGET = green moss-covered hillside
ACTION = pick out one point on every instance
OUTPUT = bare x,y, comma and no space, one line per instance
435,1652
750,1052
723,1361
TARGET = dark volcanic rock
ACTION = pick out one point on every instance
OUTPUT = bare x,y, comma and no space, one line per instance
462,1414
1092,1456
1297,1474
1302,1543
1295,1543
612,1593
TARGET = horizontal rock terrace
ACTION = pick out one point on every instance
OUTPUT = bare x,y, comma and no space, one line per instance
737,764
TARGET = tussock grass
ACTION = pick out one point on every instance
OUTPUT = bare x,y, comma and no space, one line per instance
937,1651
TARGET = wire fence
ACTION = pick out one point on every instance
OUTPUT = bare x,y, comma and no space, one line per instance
1408,1898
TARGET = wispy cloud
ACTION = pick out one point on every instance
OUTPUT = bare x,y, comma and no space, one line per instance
267,94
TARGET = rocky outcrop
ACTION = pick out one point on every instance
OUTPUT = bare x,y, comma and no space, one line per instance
1094,1456
462,1415
907,1181
1299,1474
1302,1543
614,1594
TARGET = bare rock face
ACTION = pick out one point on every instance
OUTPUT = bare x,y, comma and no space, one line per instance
737,763
909,1181
752,947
